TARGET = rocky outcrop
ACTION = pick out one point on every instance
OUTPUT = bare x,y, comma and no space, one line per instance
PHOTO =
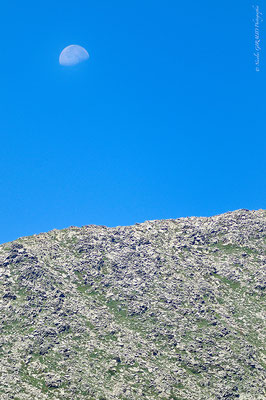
169,309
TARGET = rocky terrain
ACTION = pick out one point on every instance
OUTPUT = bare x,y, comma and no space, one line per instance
167,309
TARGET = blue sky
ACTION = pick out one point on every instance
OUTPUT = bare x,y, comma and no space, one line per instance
165,120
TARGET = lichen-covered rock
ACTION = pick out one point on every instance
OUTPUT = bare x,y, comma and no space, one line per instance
169,309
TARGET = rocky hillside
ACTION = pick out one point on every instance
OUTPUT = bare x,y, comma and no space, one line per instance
169,309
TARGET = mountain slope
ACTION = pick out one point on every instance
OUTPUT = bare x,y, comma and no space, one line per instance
169,309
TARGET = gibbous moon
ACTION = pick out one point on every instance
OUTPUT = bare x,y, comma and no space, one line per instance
72,55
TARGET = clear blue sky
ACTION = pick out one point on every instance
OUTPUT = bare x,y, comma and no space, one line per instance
167,119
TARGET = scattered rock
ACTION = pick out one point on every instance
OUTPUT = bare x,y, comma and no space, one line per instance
169,309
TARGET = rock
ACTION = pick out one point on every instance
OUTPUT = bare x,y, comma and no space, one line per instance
169,309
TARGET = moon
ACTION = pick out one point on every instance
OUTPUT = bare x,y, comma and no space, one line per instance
72,55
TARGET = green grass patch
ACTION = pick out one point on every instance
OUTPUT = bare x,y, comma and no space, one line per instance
82,288
202,323
117,308
233,284
232,248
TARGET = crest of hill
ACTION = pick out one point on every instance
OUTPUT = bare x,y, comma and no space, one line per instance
166,309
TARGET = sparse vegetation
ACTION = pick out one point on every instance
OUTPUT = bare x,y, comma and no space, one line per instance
169,310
